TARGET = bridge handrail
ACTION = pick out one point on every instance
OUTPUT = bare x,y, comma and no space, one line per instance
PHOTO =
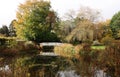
50,44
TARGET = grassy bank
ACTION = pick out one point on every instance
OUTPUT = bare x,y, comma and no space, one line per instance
98,47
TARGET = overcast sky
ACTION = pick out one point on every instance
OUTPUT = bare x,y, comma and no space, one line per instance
107,7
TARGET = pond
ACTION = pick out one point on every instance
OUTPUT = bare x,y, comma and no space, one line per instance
40,66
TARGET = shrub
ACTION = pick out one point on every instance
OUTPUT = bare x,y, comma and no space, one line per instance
107,40
110,59
87,60
67,50
29,45
13,47
2,41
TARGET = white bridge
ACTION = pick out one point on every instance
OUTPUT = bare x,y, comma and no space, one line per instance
49,51
48,54
50,44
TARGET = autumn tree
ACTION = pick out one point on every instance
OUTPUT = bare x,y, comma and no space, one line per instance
102,29
106,28
82,33
81,24
88,13
36,21
67,24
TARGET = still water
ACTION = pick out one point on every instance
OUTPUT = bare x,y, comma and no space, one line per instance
71,73
41,66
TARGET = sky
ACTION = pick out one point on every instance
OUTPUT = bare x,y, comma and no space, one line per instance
107,8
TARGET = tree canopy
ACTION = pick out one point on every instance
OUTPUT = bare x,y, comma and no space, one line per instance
83,32
4,30
12,31
36,21
115,25
79,26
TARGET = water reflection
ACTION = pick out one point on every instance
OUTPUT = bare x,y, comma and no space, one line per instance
70,73
42,66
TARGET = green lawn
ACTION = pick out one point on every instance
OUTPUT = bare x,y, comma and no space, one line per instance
98,47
